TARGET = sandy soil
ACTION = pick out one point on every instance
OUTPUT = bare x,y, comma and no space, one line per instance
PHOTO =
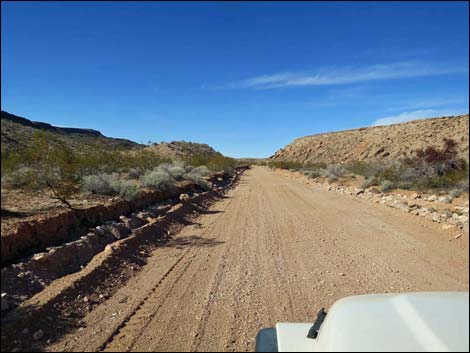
19,205
272,250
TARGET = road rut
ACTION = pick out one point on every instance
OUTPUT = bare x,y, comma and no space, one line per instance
272,250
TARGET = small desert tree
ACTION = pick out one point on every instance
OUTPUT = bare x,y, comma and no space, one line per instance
54,165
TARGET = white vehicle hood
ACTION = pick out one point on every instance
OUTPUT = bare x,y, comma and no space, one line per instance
431,321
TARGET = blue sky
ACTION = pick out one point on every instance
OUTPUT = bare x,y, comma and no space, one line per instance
246,78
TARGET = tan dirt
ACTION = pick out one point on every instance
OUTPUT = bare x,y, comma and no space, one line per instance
272,250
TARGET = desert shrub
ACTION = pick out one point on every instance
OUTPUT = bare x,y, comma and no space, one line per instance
315,166
432,155
54,166
360,167
334,171
110,184
219,163
384,170
158,178
433,161
201,170
463,185
144,159
97,184
197,175
10,162
176,172
368,182
133,173
332,178
314,173
104,160
386,185
166,174
435,169
200,181
455,193
125,189
21,177
429,168
213,162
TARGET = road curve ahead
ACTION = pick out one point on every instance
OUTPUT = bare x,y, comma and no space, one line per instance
273,250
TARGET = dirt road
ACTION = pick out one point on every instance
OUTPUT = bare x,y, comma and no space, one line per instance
272,250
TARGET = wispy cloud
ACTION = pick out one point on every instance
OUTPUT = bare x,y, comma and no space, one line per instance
417,114
427,103
337,76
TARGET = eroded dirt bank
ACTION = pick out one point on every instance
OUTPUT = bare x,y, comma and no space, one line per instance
270,250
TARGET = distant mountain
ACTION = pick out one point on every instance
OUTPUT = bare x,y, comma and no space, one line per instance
383,142
17,132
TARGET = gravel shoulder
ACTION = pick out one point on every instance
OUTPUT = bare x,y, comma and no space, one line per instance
272,250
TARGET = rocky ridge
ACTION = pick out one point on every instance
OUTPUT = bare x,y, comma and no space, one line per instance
378,142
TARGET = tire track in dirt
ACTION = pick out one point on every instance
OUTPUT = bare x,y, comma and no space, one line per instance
273,250
139,319
201,327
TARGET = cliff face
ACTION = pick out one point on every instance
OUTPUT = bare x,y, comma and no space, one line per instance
392,141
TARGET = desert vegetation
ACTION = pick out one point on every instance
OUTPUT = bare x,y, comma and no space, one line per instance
428,169
49,165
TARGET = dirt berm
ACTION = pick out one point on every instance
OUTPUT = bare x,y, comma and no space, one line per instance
148,229
31,236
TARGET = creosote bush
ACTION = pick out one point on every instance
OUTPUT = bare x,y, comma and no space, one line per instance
45,165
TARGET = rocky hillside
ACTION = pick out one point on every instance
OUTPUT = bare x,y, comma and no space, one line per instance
176,149
17,132
391,141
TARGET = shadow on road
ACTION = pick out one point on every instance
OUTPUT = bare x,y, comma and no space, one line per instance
192,240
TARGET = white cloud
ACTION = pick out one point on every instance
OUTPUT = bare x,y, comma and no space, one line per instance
432,102
336,76
414,115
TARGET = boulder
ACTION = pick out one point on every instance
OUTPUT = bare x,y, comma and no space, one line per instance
445,199
133,222
359,191
119,231
184,197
